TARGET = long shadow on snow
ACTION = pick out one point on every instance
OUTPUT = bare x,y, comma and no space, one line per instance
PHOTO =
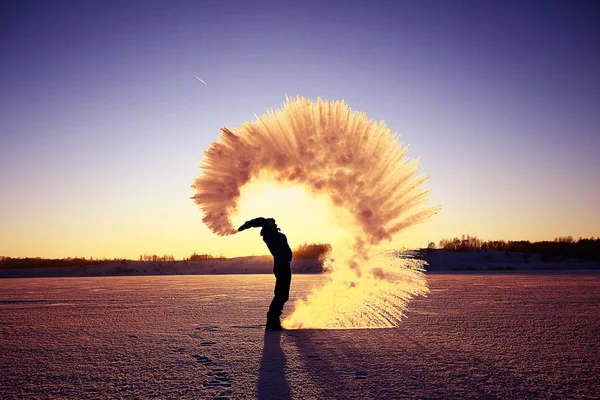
272,382
418,370
316,359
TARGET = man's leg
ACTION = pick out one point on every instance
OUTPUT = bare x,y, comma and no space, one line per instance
283,279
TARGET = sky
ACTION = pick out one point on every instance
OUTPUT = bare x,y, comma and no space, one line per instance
103,123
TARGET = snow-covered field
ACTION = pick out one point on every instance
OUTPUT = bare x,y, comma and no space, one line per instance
475,336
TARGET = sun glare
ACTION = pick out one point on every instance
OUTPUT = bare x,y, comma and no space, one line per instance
304,218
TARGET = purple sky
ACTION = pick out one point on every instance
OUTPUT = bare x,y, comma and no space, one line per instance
102,122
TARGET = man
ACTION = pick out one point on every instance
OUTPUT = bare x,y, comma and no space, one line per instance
282,257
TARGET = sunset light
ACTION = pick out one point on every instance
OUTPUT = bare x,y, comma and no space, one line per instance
314,199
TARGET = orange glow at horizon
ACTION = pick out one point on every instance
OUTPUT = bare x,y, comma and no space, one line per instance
302,217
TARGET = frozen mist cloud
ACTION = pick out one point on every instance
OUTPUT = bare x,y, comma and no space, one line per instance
360,166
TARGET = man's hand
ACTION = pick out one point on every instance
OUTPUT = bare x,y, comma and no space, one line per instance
245,226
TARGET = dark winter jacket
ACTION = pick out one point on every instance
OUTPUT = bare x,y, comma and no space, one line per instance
275,240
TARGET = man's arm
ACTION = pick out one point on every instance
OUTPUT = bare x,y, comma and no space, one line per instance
253,223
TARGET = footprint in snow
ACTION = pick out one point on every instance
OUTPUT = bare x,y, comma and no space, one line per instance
179,350
361,375
208,328
202,360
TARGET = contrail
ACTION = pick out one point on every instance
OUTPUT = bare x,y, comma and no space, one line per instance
200,79
358,164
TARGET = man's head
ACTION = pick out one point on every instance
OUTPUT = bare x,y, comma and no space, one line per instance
271,223
269,226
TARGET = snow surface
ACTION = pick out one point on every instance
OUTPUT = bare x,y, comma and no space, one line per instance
474,336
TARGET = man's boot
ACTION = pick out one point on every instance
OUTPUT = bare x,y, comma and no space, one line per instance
273,323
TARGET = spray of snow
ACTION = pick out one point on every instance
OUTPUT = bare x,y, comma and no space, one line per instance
360,167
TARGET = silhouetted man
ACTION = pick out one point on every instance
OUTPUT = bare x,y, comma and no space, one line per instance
282,257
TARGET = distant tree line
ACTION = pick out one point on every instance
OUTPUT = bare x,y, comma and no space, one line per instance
317,251
38,262
566,247
156,258
311,251
203,257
